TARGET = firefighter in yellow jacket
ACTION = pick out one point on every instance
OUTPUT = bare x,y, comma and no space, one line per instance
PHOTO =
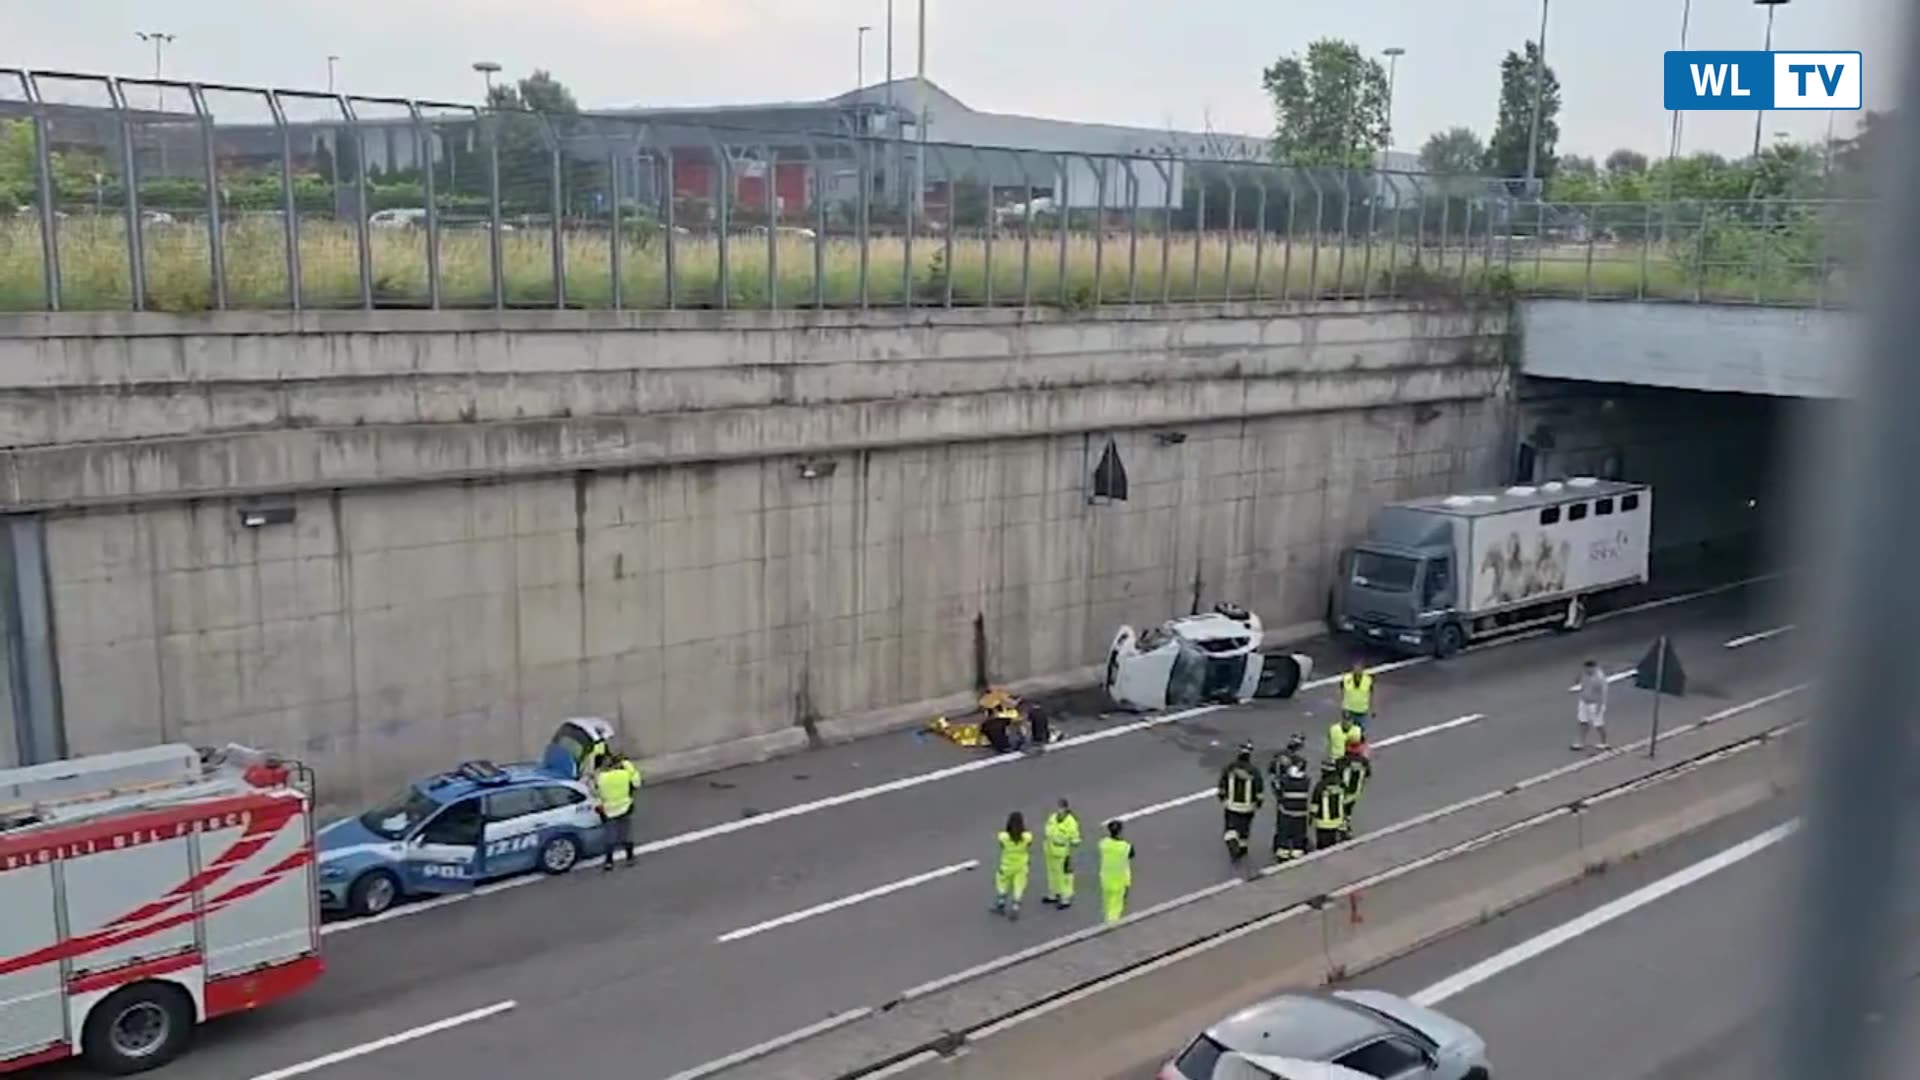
1016,858
1062,836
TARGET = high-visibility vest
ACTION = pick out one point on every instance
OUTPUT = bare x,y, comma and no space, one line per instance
1063,833
616,784
1353,779
1338,736
1116,862
1239,791
1356,692
1330,807
1016,853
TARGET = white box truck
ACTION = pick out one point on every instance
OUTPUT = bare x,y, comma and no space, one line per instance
1434,574
145,892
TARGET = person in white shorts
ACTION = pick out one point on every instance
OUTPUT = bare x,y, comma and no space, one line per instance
1592,708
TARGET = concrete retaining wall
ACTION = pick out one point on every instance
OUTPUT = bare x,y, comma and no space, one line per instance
719,530
1124,997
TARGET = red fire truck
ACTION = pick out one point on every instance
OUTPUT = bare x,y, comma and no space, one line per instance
145,892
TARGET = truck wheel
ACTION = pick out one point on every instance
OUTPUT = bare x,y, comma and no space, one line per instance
1449,639
137,1028
558,855
372,893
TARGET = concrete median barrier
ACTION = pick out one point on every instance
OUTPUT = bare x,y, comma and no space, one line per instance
1124,997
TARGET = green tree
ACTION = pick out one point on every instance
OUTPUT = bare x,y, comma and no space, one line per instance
1329,107
1626,161
527,142
1454,151
1507,147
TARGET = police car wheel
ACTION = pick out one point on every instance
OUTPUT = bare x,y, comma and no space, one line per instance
137,1028
373,893
558,855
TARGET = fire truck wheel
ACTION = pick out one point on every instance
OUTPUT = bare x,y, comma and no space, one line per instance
137,1028
558,855
372,893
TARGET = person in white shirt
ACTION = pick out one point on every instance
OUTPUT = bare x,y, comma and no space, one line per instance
1591,710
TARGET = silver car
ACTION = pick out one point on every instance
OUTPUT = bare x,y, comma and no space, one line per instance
1369,1032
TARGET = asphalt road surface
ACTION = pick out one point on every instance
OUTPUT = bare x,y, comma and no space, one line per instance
1680,985
772,897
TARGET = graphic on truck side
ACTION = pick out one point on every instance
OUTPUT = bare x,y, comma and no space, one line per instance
1517,570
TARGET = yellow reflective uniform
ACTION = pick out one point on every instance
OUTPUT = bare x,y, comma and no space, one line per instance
615,784
1062,836
1356,693
1116,876
1016,857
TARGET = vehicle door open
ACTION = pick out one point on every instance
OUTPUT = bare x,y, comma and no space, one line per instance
446,855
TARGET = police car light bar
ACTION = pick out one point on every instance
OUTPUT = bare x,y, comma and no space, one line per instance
482,772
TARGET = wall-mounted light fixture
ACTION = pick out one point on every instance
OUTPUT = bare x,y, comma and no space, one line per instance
1170,438
815,468
262,515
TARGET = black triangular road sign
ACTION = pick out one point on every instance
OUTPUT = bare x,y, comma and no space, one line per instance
1662,678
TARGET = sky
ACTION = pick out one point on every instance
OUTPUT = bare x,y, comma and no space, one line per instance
1191,64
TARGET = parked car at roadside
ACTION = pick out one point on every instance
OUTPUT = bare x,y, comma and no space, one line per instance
1364,1032
448,832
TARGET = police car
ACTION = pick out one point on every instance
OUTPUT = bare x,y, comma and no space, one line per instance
451,831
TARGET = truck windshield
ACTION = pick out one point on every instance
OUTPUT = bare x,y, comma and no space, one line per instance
1384,573
398,816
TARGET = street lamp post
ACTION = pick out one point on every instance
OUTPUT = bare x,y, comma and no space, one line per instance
1393,55
159,41
332,59
1760,115
920,124
1539,92
860,57
1673,141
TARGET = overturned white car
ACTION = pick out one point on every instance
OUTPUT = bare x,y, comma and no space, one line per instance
1214,657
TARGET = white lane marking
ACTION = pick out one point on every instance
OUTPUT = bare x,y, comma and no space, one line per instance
1749,639
1519,954
721,1064
407,1036
847,901
962,769
1391,740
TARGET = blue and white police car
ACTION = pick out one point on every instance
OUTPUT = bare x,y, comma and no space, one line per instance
449,832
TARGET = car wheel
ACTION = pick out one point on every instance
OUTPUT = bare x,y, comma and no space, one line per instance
373,893
1279,676
558,855
1449,639
1478,1074
137,1028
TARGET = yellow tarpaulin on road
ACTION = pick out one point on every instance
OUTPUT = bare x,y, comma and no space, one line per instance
967,732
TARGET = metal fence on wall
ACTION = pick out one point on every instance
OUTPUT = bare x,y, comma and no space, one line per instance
173,196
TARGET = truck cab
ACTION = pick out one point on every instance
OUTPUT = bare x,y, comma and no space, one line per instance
1397,596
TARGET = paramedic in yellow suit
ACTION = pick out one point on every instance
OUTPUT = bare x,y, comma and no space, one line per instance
1016,857
1062,836
1116,872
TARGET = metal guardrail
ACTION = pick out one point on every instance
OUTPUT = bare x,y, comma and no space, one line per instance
150,194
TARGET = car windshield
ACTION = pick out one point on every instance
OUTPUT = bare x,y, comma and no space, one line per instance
1384,573
399,815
